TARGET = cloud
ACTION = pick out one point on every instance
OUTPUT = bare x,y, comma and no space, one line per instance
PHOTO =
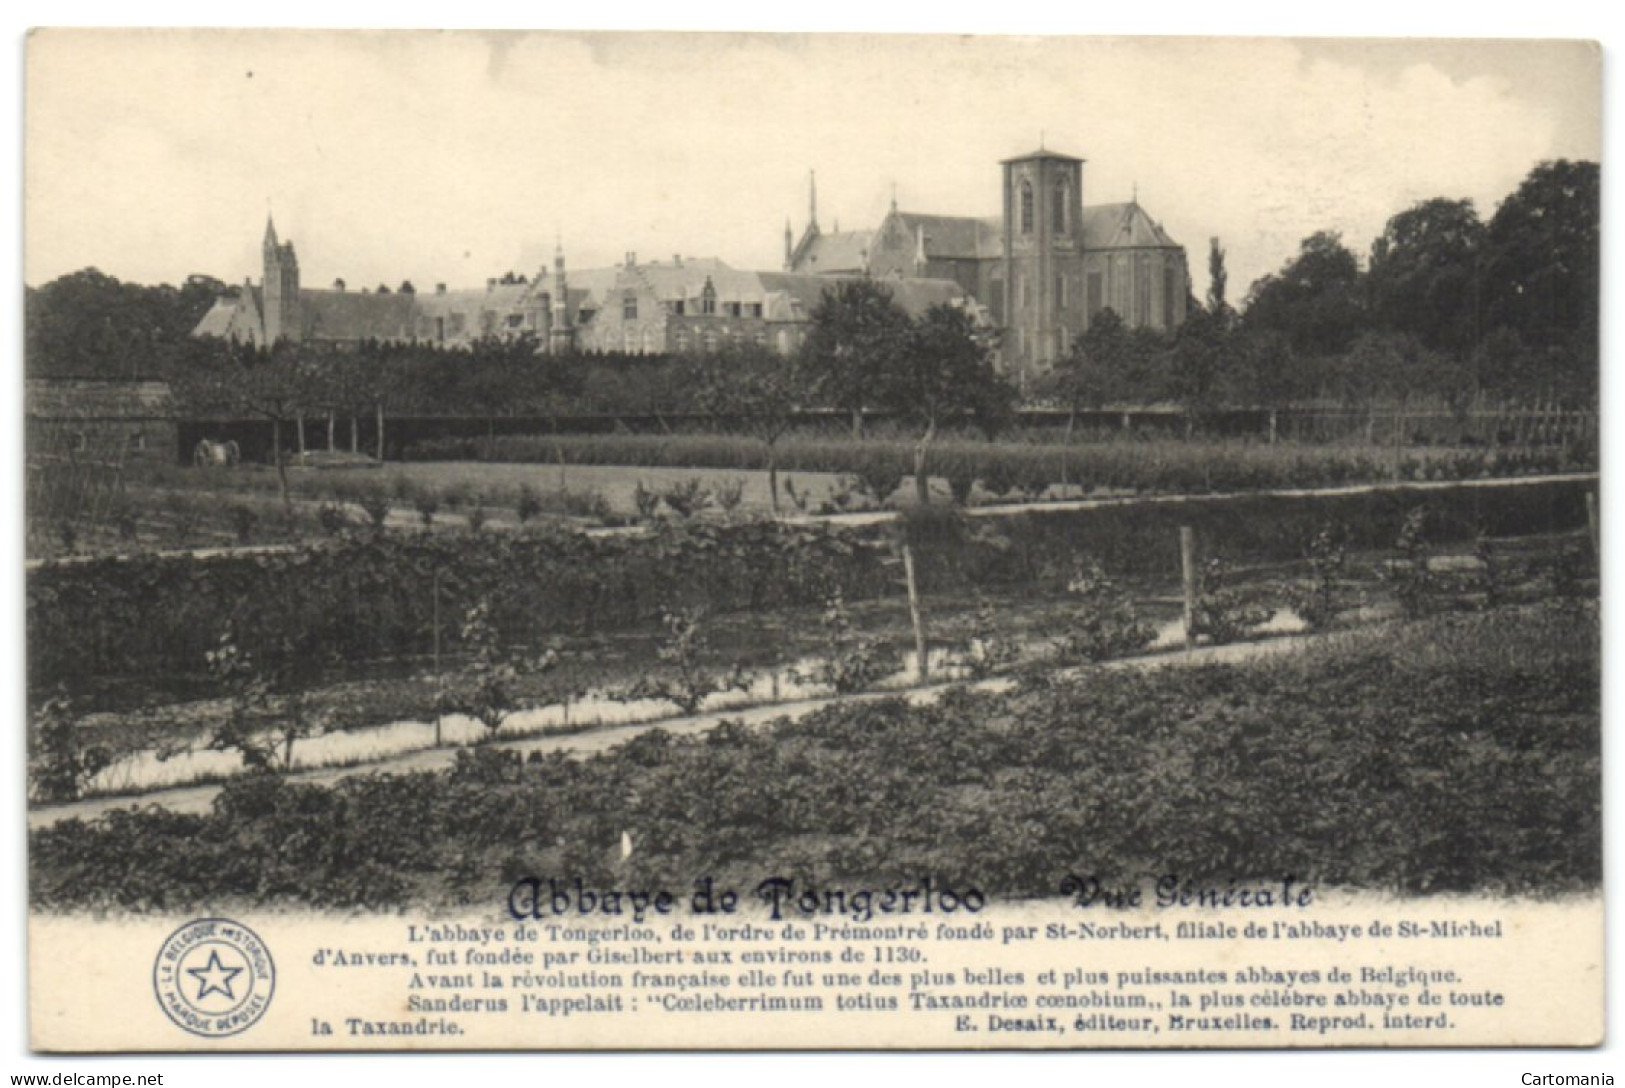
452,157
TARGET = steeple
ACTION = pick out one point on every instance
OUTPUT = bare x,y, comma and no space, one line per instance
270,232
560,335
812,200
789,247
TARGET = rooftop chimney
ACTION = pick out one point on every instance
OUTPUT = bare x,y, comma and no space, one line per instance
631,258
439,288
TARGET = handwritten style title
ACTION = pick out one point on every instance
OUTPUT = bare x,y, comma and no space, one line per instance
537,898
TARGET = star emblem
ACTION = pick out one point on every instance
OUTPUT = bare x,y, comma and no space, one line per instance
214,977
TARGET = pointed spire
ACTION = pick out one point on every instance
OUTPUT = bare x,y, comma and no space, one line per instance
894,196
812,200
270,229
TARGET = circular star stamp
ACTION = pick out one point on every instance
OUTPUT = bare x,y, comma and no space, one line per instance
214,977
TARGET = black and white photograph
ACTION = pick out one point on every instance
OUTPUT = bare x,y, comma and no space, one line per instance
640,540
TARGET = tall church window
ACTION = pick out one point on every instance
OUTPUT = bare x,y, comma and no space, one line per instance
629,306
1026,207
1059,211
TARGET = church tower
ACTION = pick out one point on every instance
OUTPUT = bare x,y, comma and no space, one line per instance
1043,259
560,336
281,288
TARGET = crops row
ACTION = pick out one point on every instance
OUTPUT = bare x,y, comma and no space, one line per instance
366,596
1025,469
1456,755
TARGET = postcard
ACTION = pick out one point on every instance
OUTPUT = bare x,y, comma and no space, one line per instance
627,541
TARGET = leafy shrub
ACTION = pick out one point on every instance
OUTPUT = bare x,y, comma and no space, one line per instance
852,660
62,763
645,501
685,680
427,504
332,518
985,649
528,504
1414,585
376,505
242,521
1319,601
686,498
476,519
1457,754
1105,624
487,687
1223,613
728,493
266,713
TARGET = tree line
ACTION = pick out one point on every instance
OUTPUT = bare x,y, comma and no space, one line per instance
1445,307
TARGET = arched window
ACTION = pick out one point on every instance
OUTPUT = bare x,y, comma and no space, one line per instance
1059,211
1026,207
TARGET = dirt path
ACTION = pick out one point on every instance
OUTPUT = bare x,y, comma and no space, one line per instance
198,799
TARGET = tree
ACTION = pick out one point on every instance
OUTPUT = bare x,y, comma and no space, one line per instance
1424,278
1199,359
1218,280
90,325
1542,269
857,331
759,389
215,377
945,369
1315,300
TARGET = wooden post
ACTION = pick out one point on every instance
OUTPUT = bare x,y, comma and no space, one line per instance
300,419
1591,521
332,421
439,680
1272,426
922,668
380,432
1187,562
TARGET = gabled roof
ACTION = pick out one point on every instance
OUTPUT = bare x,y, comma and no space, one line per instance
841,251
956,237
1122,226
351,315
794,296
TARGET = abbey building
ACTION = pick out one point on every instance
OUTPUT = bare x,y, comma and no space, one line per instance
1043,267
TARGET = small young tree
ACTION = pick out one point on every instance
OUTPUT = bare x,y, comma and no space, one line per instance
267,709
487,688
759,389
685,681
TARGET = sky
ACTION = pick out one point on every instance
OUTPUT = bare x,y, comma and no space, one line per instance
456,156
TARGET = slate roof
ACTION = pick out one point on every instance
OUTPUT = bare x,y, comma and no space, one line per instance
841,251
351,315
1122,226
956,237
